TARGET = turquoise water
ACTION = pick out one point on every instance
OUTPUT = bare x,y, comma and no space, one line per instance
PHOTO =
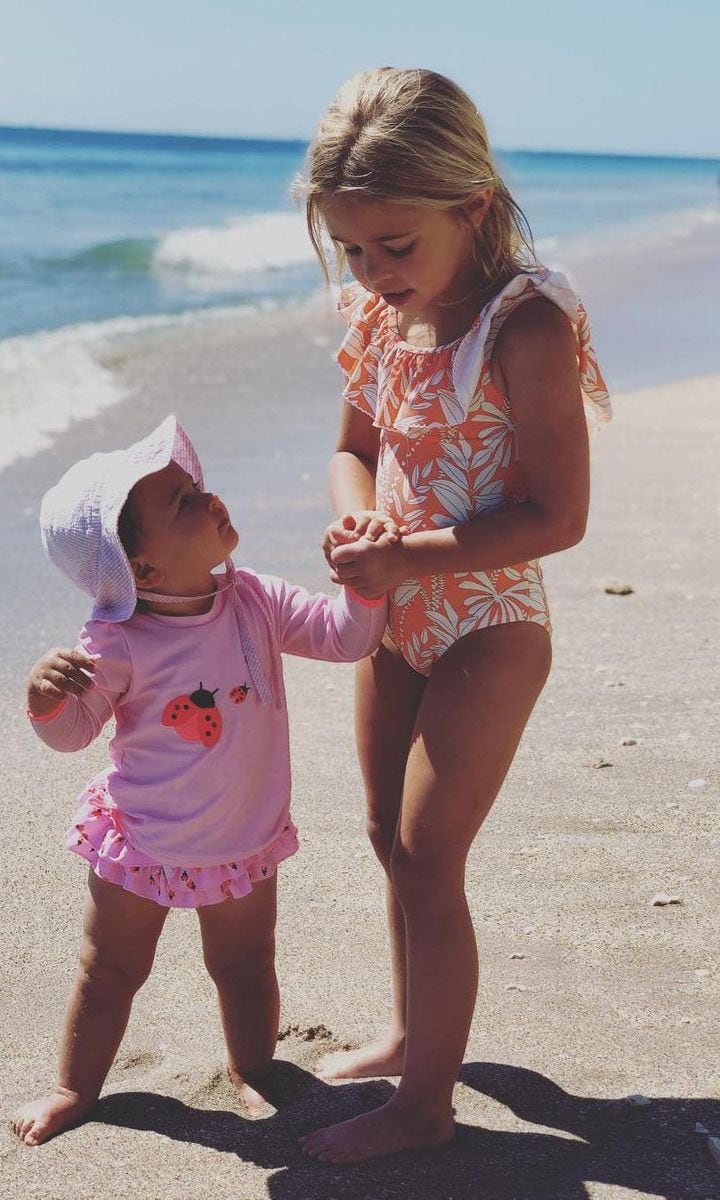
101,225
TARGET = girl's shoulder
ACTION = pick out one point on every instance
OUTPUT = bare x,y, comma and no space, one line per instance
533,305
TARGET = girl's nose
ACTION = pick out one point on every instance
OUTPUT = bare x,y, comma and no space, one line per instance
376,273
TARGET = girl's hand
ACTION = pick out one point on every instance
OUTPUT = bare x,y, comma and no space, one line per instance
58,674
367,523
370,568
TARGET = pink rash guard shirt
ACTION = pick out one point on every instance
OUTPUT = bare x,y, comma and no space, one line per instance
200,767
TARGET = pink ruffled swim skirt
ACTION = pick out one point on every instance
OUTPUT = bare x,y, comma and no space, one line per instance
96,836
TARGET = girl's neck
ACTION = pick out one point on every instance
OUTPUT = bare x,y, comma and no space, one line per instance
448,320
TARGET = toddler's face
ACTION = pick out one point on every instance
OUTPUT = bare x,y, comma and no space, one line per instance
410,255
183,532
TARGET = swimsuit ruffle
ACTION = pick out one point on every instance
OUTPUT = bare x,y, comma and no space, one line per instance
412,391
96,835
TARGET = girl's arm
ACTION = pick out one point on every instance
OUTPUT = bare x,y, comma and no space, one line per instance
81,706
353,466
352,485
536,358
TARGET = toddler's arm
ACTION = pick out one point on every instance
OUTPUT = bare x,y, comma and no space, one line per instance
340,628
71,694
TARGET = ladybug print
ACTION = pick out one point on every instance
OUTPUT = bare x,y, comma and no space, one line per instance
239,693
195,717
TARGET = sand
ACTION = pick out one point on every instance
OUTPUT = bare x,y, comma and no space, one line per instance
589,992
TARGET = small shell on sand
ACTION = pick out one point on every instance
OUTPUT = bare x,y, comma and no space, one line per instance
614,588
662,899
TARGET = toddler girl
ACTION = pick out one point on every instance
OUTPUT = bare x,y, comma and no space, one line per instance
193,810
468,372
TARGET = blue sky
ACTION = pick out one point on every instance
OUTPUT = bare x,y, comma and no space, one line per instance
631,76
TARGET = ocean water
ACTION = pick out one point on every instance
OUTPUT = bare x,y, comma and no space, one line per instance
104,235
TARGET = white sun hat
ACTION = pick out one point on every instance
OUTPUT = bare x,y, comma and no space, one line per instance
79,516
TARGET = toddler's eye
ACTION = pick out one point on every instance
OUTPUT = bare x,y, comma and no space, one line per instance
352,251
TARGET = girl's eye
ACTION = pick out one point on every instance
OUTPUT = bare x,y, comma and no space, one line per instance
352,251
402,252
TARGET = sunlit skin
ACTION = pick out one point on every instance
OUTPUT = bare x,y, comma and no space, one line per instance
183,534
419,259
434,752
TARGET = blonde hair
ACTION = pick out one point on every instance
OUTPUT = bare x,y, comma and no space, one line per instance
412,137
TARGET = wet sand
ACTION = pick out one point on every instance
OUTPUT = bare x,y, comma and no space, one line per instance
589,993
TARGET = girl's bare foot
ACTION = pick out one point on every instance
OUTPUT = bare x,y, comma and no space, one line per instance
382,1057
386,1130
41,1119
255,1093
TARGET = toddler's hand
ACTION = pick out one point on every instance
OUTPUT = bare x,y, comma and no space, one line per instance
353,526
58,674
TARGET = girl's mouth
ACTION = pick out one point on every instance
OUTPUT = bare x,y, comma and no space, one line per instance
397,299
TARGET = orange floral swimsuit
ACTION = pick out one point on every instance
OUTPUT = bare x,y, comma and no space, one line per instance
448,453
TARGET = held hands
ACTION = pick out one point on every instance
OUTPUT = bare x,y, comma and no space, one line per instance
350,527
58,674
364,551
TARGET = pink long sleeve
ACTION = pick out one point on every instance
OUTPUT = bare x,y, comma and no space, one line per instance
79,719
339,628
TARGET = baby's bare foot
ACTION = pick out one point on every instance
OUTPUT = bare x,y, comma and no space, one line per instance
255,1093
382,1057
41,1119
386,1130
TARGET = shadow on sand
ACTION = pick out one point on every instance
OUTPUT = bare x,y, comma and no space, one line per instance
649,1149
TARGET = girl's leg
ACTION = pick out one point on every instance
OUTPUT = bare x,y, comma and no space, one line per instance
238,939
471,719
387,696
120,933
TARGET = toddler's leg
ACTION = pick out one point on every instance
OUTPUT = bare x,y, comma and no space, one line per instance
387,696
238,939
120,933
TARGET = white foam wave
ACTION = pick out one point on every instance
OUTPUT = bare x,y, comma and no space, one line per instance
50,379
263,242
47,381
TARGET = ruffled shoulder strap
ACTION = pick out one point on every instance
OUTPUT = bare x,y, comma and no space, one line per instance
477,347
360,349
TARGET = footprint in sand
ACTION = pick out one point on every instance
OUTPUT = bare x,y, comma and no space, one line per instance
140,1061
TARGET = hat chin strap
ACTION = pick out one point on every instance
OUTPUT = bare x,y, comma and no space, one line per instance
160,598
269,692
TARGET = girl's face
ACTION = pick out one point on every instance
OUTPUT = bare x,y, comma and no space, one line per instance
414,257
184,532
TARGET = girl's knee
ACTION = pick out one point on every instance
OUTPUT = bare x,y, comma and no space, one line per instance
381,832
424,883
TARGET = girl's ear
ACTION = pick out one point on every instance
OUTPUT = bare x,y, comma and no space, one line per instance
478,206
147,577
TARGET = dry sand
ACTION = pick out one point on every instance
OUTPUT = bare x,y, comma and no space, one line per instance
589,993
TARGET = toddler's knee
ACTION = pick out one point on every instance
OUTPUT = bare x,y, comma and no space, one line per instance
103,974
238,968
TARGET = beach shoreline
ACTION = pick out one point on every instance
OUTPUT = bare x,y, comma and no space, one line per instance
651,292
589,992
